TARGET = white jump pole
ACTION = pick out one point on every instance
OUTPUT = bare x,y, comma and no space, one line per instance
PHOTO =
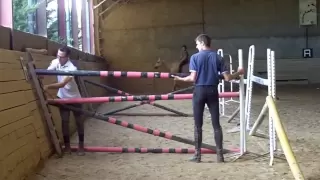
272,93
269,82
243,138
221,89
251,59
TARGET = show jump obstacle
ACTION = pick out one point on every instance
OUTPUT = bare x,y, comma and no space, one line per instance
59,102
270,83
64,102
206,148
125,74
275,125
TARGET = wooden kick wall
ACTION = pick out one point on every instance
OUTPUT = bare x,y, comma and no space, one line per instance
23,132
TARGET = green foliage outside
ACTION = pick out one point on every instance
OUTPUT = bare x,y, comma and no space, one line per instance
21,10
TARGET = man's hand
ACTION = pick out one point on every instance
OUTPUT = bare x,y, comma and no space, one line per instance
176,78
45,88
240,71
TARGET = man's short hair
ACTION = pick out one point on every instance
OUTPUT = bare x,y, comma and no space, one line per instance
65,49
205,39
184,46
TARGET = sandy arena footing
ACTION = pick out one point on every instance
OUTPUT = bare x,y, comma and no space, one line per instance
298,109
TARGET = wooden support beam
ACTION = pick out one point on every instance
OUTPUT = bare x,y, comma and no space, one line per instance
108,8
44,105
98,5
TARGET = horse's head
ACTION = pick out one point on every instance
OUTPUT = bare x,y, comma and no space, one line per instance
158,63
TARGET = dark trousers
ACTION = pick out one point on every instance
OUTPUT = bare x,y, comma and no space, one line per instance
206,95
65,117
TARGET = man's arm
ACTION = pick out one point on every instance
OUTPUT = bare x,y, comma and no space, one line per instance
59,84
52,66
228,77
190,78
223,68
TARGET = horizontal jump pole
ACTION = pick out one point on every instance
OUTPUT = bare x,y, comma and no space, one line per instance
139,128
150,114
256,79
128,74
142,150
133,98
114,90
259,80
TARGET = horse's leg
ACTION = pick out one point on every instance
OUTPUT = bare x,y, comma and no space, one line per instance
174,85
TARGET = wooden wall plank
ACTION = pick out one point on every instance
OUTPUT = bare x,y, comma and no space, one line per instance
12,86
9,56
14,99
11,75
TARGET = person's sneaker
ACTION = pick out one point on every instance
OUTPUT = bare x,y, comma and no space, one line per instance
220,157
67,149
195,158
81,151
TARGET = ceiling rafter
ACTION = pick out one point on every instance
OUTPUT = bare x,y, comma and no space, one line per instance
113,2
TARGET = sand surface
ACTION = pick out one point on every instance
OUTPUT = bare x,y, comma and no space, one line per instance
298,109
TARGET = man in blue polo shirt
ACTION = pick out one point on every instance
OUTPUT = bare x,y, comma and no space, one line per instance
206,67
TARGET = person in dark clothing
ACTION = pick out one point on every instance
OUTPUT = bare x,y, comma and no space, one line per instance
184,57
205,67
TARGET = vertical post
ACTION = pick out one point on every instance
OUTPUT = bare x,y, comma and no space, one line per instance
221,89
88,26
6,16
249,85
270,93
243,131
62,20
74,19
68,7
273,91
91,29
31,23
42,18
231,71
96,24
84,25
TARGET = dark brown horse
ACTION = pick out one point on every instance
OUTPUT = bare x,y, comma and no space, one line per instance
177,66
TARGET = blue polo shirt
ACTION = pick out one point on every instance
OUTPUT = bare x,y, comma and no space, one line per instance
208,64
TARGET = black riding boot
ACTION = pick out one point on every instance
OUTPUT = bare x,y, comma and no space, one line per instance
67,147
198,141
218,136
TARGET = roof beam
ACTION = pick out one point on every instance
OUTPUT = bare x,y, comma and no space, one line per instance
96,6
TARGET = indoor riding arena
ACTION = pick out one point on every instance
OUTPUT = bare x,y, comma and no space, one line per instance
138,121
